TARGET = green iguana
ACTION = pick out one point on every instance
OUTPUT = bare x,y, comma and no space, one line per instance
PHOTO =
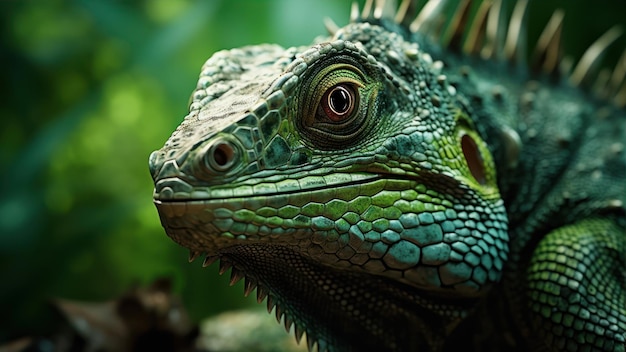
408,186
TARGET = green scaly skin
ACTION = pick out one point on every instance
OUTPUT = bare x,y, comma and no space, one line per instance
387,194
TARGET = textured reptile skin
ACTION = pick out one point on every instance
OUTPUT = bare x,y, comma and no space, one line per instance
388,192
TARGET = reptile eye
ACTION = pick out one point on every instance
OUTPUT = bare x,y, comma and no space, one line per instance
221,156
339,101
338,105
474,159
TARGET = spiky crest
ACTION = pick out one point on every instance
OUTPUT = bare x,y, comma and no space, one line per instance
592,56
515,45
492,37
547,54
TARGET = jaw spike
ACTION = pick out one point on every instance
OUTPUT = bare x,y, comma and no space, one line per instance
493,32
367,9
279,312
330,25
288,322
193,255
224,266
208,260
310,342
298,332
548,50
249,286
354,12
515,45
261,293
476,35
270,303
427,16
454,35
592,56
235,276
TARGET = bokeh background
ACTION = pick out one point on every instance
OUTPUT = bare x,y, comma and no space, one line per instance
88,89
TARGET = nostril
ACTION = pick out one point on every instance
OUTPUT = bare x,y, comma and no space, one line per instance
221,156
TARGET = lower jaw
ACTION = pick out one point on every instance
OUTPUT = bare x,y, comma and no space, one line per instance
314,296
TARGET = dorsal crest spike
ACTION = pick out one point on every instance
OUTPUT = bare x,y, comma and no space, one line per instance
403,11
515,44
330,25
427,16
620,97
593,54
354,12
453,38
384,8
601,84
547,53
618,75
476,36
494,32
367,9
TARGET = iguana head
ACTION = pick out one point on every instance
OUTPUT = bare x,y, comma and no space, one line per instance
354,155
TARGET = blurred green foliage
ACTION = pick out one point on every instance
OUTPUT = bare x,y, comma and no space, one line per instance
89,89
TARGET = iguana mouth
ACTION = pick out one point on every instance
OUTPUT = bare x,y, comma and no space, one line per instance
176,190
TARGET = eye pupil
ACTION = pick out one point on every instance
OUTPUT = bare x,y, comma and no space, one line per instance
339,102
